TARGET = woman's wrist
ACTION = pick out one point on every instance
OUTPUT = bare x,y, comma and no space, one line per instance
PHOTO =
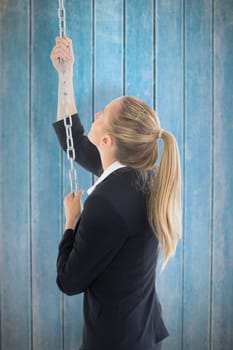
69,75
69,225
72,105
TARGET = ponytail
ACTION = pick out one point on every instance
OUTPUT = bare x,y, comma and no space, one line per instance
136,128
164,204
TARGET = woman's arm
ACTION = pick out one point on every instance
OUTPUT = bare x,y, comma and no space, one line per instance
72,104
63,50
83,256
86,154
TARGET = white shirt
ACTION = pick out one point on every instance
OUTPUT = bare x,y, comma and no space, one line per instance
114,166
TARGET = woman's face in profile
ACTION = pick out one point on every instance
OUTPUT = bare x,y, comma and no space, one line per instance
98,129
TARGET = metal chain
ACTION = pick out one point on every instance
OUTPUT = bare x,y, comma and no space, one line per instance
66,104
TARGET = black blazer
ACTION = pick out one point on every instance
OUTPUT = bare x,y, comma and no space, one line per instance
111,256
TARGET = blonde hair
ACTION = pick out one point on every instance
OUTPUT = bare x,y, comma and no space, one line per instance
136,129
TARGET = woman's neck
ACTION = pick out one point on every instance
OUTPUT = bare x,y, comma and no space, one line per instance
107,160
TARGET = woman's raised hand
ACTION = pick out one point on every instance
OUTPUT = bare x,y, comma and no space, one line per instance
63,50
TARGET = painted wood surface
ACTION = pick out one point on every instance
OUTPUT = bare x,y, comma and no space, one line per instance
15,240
222,258
139,50
177,55
198,173
46,183
169,75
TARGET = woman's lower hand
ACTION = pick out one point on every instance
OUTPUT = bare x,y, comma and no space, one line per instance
72,207
63,50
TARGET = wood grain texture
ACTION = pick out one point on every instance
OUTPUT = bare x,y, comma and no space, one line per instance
46,182
169,105
108,52
198,173
15,283
222,277
139,50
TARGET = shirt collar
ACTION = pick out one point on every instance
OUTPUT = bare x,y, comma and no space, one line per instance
113,167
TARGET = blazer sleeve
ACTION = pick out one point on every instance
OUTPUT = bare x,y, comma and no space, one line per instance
86,154
85,254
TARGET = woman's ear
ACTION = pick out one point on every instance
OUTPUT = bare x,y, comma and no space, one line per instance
108,140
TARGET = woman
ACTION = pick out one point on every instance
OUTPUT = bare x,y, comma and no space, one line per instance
109,251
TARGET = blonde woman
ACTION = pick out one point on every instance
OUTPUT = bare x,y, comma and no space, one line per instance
132,214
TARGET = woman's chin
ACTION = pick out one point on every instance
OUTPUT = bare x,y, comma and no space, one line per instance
90,138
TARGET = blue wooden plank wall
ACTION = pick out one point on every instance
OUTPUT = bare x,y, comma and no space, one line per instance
175,54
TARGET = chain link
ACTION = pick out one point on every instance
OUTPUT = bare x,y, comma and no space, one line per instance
62,18
70,151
